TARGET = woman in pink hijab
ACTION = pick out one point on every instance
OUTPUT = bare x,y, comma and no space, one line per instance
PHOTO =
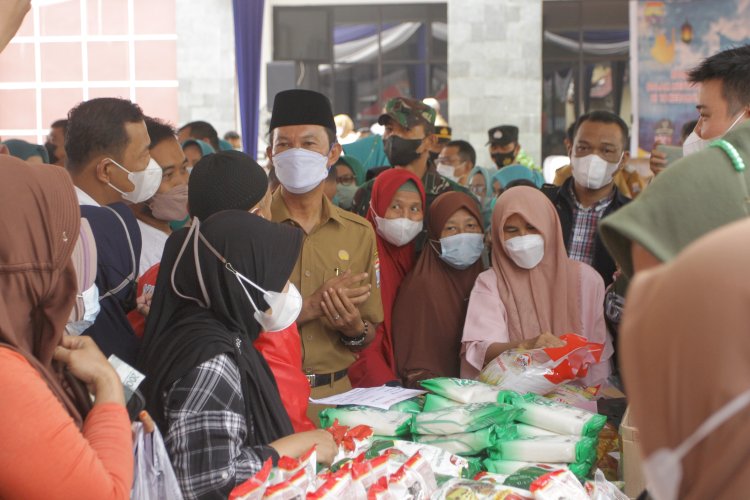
533,293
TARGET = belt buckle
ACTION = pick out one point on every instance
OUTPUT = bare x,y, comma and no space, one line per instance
311,379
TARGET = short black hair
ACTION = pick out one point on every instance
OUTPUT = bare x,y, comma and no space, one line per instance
600,116
158,130
570,133
201,130
98,127
465,150
732,67
231,135
63,124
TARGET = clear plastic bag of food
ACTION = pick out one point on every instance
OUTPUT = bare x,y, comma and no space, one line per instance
470,443
539,371
547,449
466,489
559,418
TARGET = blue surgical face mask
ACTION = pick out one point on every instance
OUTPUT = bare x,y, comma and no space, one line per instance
89,302
461,250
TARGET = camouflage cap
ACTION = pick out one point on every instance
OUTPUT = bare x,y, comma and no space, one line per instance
408,113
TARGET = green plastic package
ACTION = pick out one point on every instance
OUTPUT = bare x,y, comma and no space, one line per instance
470,443
527,431
462,419
509,467
462,390
383,422
546,449
559,418
434,402
413,405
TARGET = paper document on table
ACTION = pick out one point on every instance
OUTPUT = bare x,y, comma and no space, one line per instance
376,397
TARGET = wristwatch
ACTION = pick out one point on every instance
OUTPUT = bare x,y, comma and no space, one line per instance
357,341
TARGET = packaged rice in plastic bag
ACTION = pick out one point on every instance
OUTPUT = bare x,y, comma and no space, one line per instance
466,489
434,402
509,467
460,419
541,370
547,449
527,431
559,418
462,390
255,487
413,405
382,422
470,443
558,484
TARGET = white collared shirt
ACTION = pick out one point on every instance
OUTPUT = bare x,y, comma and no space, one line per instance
84,198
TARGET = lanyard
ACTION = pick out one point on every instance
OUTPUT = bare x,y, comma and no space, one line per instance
739,166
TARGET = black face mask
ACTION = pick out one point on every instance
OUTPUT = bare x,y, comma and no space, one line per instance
400,151
503,159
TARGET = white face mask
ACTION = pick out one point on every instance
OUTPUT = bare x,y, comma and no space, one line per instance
526,251
146,182
462,250
694,143
89,302
398,232
447,171
285,306
663,468
592,171
300,170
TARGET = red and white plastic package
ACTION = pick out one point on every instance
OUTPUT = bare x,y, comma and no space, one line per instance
255,487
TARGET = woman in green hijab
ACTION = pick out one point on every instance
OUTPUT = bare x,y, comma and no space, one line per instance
349,176
32,153
700,193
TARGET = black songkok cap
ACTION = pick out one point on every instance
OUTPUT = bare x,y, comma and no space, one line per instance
301,107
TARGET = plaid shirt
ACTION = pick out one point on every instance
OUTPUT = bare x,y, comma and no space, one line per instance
207,431
585,221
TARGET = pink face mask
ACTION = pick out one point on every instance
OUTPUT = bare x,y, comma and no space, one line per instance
171,205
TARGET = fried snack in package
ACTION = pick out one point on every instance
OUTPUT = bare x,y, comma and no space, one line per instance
462,390
491,477
288,467
255,487
470,443
574,394
608,448
335,487
415,480
368,472
351,441
547,449
559,418
294,488
541,370
441,462
434,402
461,419
382,422
558,484
466,489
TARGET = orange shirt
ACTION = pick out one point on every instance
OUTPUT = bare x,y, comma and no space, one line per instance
42,452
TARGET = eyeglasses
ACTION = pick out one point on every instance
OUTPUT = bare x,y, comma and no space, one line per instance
345,180
478,189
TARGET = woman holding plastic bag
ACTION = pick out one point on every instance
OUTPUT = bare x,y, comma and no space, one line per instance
396,213
207,386
533,293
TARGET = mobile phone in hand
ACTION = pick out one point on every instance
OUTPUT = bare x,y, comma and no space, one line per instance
673,153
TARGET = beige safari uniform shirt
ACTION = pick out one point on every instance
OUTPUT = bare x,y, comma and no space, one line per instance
342,241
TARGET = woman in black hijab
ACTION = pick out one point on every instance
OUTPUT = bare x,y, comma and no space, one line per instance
206,384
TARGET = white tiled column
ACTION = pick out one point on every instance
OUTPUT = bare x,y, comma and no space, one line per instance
495,71
205,63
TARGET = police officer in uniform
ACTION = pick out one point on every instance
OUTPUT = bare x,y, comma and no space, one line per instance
337,271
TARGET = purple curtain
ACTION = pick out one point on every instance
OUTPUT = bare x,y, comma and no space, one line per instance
248,31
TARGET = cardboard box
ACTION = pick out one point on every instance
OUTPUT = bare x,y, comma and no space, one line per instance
631,459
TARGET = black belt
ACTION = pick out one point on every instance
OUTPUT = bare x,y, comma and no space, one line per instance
318,380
